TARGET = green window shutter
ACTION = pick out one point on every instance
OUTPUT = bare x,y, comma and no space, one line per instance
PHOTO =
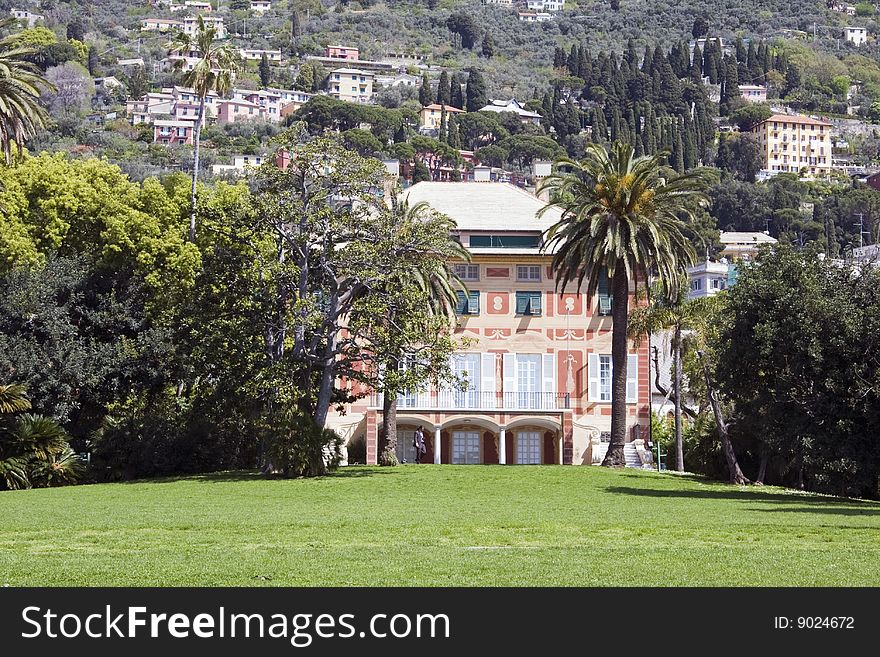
604,292
474,304
522,303
535,303
462,305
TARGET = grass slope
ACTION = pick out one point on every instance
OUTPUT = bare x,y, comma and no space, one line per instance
436,525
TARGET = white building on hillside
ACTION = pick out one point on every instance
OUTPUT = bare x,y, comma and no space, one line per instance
512,105
546,5
26,16
742,244
856,35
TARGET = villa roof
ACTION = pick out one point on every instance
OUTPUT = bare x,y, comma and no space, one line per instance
485,206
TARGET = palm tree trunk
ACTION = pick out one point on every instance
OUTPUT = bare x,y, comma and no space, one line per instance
197,135
679,447
619,313
388,436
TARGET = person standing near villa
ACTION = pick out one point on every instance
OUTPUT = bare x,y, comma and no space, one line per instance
419,443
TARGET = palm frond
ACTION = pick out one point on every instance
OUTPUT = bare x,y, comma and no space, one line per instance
619,211
13,398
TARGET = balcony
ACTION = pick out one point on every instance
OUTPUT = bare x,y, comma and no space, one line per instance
476,400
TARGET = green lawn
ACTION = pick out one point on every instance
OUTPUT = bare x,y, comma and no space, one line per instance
436,525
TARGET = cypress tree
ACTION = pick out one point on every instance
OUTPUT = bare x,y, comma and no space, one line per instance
658,61
453,136
678,152
696,69
444,91
456,98
559,57
426,96
442,136
265,71
547,110
583,62
647,59
689,149
572,61
631,57
476,92
740,46
615,124
488,47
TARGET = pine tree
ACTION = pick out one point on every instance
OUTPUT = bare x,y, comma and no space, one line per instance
426,96
305,79
444,91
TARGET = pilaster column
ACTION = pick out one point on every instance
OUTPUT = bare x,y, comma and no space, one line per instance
437,446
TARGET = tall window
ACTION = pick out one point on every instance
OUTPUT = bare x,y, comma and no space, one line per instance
601,371
465,447
528,272
528,380
467,367
604,378
528,448
528,303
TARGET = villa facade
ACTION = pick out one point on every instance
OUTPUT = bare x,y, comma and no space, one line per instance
538,366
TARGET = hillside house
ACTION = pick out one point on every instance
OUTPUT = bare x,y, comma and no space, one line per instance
430,115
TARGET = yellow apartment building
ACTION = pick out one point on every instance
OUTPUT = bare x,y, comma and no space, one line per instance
796,144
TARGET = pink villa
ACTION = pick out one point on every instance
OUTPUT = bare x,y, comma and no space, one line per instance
342,52
538,370
229,111
173,132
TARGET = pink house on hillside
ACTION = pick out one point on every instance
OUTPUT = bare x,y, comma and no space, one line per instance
173,132
342,52
229,111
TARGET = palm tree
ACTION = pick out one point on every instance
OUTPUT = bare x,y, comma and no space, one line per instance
33,448
437,282
620,218
21,114
215,71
